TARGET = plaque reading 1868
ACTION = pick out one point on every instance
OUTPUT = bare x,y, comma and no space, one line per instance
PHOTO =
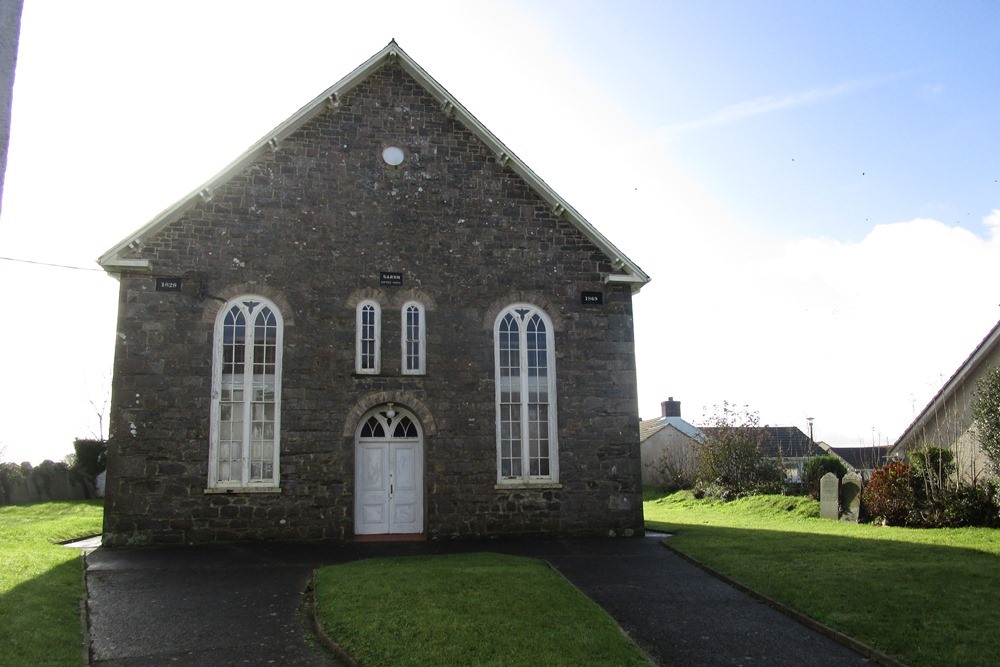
592,298
168,284
391,278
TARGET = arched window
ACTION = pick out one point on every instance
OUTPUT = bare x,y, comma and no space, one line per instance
368,358
527,446
413,338
246,395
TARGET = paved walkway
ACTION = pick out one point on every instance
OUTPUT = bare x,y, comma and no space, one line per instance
242,604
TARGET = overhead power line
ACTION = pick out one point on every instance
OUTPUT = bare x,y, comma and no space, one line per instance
59,266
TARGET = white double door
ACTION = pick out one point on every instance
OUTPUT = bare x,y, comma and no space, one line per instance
388,486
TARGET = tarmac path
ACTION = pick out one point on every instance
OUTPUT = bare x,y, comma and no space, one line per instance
241,604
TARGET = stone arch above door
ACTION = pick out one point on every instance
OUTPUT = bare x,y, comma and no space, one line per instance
403,399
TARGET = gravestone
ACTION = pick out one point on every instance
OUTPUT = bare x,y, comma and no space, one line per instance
828,497
850,497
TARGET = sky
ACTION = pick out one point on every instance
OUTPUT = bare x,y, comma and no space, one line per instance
814,187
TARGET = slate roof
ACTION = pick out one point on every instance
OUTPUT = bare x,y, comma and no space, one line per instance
785,441
651,426
117,259
862,458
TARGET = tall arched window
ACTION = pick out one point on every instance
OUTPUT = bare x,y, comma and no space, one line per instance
527,446
413,338
246,395
368,356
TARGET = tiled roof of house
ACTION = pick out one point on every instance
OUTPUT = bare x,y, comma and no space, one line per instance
785,441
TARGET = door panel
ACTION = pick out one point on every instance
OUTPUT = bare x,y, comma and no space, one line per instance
373,489
406,504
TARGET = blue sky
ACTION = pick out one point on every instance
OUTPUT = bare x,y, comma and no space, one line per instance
812,186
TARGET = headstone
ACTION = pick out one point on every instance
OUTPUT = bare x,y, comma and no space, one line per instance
828,497
850,497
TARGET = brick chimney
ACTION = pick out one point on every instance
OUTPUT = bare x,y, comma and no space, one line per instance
671,408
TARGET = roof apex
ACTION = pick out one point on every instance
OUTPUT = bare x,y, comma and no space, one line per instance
630,273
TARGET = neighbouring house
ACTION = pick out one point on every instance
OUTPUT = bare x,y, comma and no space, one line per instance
862,460
947,421
668,447
785,443
376,321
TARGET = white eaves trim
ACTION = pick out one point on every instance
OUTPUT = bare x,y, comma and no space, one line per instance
630,274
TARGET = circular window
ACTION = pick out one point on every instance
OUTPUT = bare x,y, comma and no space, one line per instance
393,155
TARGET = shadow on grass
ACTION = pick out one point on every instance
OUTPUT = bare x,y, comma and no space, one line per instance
41,618
925,604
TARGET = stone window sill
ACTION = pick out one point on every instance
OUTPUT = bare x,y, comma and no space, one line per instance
232,490
519,484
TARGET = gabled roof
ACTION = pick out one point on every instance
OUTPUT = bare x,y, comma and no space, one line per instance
629,272
951,387
651,426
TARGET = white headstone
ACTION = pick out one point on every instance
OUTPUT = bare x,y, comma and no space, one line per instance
829,500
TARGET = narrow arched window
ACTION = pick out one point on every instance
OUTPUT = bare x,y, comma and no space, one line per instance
527,447
368,358
246,394
413,338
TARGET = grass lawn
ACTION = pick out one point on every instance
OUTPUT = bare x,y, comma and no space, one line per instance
41,583
469,609
924,596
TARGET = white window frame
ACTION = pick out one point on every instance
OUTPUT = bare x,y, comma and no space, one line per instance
248,383
359,356
525,478
421,340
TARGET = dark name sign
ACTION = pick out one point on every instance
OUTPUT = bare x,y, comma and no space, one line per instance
168,284
390,278
592,298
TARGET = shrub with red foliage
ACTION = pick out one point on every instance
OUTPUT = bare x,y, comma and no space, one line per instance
889,495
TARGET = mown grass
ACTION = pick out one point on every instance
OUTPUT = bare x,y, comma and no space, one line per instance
468,609
41,582
927,597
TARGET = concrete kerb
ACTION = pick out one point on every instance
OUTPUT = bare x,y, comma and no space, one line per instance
335,649
839,637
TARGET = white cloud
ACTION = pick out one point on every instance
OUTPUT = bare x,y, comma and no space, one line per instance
770,104
857,335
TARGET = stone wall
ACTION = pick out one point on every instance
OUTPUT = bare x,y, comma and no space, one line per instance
311,226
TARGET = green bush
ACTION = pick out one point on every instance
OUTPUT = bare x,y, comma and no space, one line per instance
956,507
91,456
816,467
889,497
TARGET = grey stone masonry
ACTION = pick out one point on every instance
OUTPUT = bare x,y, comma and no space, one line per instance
311,226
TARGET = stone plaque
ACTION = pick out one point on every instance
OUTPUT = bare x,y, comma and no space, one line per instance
828,497
850,497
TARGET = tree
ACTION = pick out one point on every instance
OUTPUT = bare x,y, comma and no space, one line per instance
731,461
986,415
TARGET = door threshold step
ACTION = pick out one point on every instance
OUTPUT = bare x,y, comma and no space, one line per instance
392,537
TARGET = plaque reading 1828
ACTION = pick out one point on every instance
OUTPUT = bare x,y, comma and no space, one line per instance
592,298
391,278
168,284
